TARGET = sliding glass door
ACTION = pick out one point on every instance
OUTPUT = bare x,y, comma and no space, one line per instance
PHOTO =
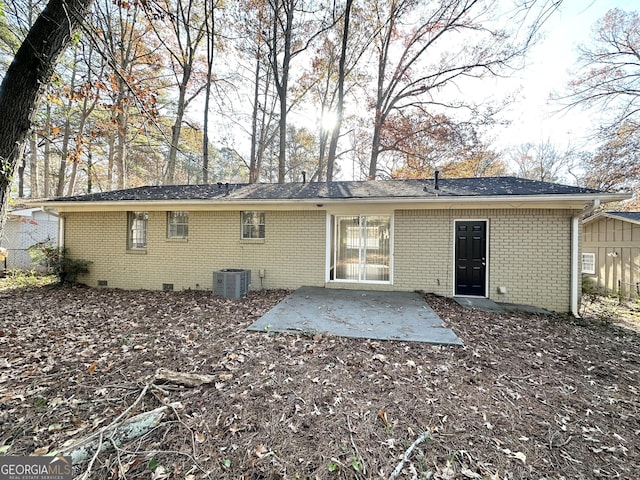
361,248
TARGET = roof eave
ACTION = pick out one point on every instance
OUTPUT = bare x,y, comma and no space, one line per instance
319,201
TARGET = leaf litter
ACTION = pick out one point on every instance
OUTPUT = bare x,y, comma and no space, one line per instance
526,397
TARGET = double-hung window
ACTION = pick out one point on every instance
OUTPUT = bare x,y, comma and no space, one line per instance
177,224
137,232
589,263
252,225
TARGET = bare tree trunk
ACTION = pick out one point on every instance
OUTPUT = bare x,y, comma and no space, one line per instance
111,151
121,151
282,94
64,154
85,112
324,135
383,56
205,137
176,129
121,142
254,170
47,154
373,161
281,77
210,39
74,166
23,164
33,166
335,134
187,30
265,133
21,87
283,30
89,170
322,147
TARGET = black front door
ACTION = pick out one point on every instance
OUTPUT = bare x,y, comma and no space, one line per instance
471,258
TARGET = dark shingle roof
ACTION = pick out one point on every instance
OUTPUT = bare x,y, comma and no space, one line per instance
376,189
633,216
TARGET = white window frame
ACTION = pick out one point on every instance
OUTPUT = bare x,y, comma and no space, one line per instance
592,270
137,223
178,224
252,225
333,248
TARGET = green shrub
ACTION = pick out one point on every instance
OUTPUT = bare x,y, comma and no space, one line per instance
589,287
59,263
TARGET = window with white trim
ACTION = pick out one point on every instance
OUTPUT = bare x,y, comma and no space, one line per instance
589,263
177,224
137,233
253,225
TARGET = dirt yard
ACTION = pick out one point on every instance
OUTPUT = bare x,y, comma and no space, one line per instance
527,397
621,312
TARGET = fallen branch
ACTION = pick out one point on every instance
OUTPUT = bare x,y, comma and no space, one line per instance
405,458
187,379
355,448
96,438
87,472
114,434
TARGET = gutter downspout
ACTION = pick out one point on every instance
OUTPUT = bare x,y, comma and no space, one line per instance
60,218
575,243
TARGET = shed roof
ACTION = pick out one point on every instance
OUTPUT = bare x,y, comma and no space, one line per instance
24,212
633,217
341,190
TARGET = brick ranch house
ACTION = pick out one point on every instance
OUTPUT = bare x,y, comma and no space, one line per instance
505,238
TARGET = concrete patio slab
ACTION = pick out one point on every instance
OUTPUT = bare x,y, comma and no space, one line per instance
402,316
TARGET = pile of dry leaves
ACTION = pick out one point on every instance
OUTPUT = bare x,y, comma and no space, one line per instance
526,397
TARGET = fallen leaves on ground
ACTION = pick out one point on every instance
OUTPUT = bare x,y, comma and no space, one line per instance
526,397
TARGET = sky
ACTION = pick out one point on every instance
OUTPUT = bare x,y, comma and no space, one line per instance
534,118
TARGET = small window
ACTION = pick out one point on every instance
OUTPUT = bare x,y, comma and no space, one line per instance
177,224
137,236
589,263
252,224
